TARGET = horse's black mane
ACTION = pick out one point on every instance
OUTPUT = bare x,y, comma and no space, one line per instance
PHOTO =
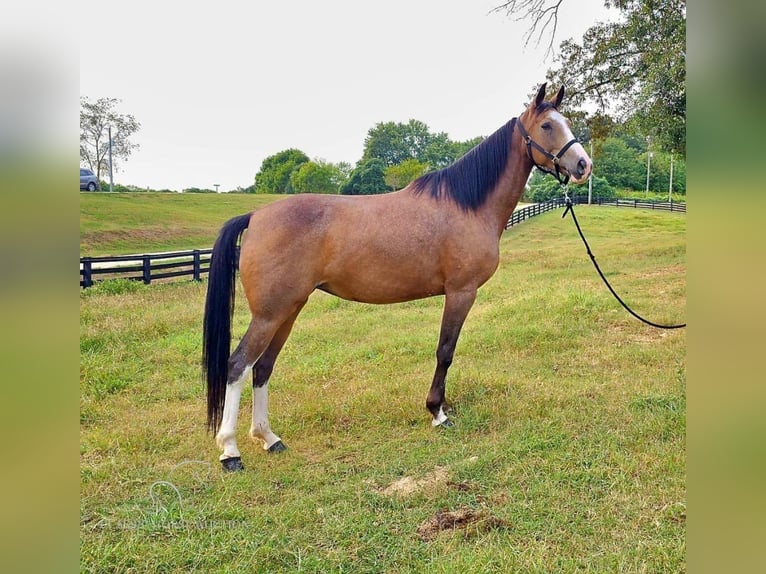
470,179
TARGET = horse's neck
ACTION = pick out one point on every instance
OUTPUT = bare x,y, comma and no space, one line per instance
510,187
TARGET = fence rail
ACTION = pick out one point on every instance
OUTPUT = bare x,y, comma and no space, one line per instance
153,266
145,267
537,208
641,203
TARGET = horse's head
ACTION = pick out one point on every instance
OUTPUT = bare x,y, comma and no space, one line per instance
549,140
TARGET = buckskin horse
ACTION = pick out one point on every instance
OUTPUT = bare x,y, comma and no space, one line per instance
438,236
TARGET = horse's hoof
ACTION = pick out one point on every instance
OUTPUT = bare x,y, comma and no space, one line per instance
446,424
232,464
278,446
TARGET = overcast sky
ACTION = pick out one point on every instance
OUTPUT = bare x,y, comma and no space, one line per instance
219,88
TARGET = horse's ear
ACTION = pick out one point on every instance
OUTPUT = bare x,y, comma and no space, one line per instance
540,95
560,96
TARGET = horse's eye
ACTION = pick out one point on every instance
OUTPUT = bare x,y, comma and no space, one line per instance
547,126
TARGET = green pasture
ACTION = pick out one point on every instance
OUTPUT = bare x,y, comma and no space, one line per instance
120,223
568,453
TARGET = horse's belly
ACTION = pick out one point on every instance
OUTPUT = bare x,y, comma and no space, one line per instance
383,287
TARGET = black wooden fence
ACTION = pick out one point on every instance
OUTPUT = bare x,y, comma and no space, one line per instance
153,266
641,203
537,208
146,267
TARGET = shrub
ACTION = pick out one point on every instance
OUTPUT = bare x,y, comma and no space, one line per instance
601,190
542,188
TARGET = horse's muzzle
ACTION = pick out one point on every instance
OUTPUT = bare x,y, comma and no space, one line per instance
582,170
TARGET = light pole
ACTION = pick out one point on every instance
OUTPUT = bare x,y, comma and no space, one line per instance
649,155
111,175
670,185
590,177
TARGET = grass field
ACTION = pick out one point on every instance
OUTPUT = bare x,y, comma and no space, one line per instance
120,223
568,453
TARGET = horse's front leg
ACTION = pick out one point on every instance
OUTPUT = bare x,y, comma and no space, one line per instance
456,307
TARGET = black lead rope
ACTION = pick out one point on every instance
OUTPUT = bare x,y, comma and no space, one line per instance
569,208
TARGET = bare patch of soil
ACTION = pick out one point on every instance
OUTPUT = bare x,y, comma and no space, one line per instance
465,520
407,485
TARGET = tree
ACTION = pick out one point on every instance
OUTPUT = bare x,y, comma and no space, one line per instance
659,173
622,159
367,178
459,149
620,165
198,190
399,175
442,151
543,188
95,120
274,175
318,176
394,142
542,15
636,66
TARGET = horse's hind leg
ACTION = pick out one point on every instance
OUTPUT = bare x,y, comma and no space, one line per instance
260,428
456,308
241,361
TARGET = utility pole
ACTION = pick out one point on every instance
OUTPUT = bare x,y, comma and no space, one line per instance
670,185
648,162
590,177
111,175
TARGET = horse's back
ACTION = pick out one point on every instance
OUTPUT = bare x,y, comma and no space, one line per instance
377,249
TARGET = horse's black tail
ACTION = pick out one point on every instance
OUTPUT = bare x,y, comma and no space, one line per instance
219,309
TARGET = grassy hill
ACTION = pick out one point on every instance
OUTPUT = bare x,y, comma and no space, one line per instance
119,223
568,453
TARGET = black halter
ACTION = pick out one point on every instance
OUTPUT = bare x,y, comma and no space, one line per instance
554,158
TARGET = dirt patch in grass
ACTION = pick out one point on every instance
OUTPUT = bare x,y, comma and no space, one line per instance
407,485
618,330
665,271
465,520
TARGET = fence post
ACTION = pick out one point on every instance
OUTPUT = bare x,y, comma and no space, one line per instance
87,272
195,274
147,270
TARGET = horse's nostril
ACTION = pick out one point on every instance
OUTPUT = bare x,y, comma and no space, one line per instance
582,165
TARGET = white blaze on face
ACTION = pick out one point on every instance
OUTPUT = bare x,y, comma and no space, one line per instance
575,151
555,117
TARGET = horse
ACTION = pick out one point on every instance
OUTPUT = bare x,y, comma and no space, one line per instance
437,236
